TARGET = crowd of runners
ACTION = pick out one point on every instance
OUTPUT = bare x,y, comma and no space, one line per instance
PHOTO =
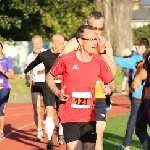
78,80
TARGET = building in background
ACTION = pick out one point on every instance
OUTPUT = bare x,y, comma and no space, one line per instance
141,13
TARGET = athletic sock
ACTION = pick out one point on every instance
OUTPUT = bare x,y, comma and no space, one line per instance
49,127
60,129
40,130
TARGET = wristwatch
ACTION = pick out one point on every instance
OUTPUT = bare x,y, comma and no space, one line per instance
104,52
4,72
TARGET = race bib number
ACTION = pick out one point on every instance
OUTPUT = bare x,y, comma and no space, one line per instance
81,99
1,83
41,72
58,79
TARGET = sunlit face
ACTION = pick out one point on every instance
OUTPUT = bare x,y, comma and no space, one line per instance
140,49
89,41
37,44
98,24
59,45
1,49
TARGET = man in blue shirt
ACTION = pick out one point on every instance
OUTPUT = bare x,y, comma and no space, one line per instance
141,46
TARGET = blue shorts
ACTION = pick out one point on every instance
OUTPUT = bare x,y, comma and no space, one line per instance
4,95
100,109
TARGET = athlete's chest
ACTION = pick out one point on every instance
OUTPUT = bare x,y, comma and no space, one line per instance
82,71
49,60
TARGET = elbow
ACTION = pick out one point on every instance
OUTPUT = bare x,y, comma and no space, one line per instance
114,70
12,76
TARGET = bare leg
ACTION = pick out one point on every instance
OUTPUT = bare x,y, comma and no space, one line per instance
88,146
2,120
100,128
37,109
75,145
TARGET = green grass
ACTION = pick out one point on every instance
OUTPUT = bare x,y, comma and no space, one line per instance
115,132
18,89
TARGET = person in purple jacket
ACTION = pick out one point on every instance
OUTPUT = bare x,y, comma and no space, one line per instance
6,73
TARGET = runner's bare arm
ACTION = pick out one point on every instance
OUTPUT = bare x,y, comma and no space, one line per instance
27,77
51,84
112,86
109,58
70,46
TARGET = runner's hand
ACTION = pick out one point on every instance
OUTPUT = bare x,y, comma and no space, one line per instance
102,43
136,83
27,83
106,89
62,96
21,77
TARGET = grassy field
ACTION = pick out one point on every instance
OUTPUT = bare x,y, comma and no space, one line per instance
19,90
115,131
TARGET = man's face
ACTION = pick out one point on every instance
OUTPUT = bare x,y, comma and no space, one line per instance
140,49
98,24
89,41
37,45
59,45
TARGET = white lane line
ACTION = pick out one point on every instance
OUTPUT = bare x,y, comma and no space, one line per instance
18,107
14,131
19,114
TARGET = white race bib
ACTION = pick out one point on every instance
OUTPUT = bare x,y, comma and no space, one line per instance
1,83
81,99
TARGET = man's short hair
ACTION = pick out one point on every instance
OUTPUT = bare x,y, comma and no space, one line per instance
142,41
37,36
95,15
80,31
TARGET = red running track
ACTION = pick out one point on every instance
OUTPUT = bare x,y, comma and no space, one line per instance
20,130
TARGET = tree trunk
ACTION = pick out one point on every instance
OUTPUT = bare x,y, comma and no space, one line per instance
118,15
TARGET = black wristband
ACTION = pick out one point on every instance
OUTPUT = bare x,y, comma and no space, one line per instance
104,52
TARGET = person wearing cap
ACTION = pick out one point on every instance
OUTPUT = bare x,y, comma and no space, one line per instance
6,73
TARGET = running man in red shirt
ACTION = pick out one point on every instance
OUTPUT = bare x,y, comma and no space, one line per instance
80,71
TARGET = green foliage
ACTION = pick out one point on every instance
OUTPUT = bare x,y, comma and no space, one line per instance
141,32
21,19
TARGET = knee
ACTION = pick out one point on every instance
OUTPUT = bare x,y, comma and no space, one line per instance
49,111
100,127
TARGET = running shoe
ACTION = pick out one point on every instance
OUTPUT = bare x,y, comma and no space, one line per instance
39,137
60,139
50,145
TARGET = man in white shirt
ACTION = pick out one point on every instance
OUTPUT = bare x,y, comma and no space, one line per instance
38,80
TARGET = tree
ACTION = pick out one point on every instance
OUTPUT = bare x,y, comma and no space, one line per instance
13,13
21,19
118,29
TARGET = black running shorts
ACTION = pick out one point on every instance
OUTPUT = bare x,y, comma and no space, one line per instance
50,98
85,132
100,109
37,87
